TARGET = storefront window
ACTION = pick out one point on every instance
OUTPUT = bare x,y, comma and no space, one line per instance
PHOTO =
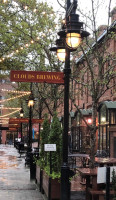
107,121
103,138
78,119
113,117
103,115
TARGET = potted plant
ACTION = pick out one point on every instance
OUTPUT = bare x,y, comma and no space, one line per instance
114,183
51,176
42,161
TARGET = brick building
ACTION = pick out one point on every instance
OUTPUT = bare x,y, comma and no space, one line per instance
106,115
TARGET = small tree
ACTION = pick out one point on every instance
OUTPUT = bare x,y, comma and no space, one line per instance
44,135
114,182
55,137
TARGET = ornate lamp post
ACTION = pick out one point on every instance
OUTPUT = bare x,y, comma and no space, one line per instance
30,105
70,37
21,115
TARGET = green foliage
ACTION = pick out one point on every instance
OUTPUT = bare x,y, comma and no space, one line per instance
51,135
114,181
44,134
20,26
54,173
55,137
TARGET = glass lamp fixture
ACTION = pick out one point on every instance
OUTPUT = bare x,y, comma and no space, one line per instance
21,113
73,40
61,53
31,101
60,49
73,31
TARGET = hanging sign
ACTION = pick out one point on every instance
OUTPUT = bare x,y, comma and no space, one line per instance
18,120
12,129
14,125
37,121
37,76
24,120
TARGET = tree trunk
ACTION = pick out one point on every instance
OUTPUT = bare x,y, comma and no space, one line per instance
93,135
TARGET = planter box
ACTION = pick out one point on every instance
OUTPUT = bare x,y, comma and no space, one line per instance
39,177
54,190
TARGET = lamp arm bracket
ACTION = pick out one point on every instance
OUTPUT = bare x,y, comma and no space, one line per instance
72,8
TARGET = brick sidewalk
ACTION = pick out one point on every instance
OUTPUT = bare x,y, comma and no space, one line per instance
77,189
15,179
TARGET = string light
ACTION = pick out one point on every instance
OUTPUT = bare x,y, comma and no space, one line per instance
26,7
35,10
21,48
10,113
16,91
4,1
5,118
25,45
12,98
8,108
43,12
32,41
17,51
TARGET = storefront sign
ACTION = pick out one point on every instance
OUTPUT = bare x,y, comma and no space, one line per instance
37,76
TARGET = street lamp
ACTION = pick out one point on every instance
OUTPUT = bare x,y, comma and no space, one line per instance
70,36
30,105
60,49
21,115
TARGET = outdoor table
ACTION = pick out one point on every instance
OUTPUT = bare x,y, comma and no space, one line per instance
105,161
91,179
84,158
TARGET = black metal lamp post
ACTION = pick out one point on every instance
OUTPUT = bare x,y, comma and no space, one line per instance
21,115
30,104
70,37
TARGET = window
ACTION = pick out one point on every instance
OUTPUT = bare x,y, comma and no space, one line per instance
103,113
103,138
112,117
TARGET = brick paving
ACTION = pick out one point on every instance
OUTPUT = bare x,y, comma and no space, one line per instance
15,181
77,189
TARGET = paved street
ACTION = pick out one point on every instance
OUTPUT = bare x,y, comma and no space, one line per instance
15,177
15,181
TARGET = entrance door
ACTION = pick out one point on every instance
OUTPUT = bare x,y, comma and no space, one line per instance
114,147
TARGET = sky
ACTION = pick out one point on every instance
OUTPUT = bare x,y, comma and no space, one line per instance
85,6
